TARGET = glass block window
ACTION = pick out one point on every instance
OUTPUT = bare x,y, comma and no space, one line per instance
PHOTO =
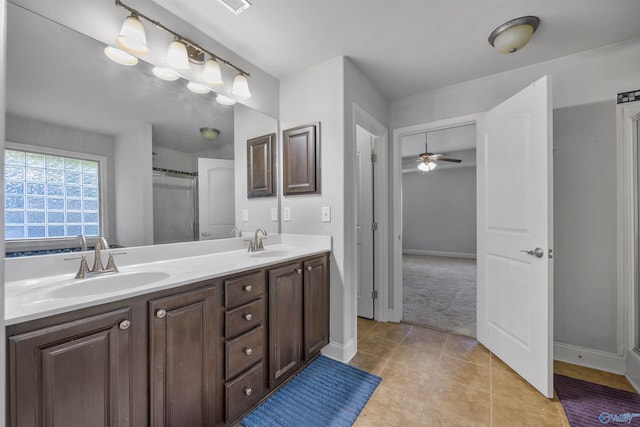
50,196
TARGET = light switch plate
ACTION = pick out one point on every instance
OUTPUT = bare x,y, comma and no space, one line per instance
326,214
286,214
274,214
245,215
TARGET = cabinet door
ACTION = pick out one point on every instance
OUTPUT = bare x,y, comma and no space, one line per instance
285,322
183,356
316,306
301,160
74,374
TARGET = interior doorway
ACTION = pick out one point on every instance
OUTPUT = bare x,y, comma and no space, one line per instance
439,228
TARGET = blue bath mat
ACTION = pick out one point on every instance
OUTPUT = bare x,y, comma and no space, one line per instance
326,393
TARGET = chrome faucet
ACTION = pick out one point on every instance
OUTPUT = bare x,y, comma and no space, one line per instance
101,243
236,231
83,242
256,244
98,268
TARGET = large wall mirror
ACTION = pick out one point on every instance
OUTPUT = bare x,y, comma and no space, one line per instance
165,181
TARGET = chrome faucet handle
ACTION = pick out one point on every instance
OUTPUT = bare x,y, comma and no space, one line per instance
236,231
260,245
111,264
84,268
251,247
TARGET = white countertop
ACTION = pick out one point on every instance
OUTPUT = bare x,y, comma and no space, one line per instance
31,294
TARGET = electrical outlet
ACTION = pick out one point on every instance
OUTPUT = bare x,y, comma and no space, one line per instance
326,214
245,215
286,214
274,214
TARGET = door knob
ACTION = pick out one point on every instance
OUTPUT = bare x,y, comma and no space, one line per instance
537,252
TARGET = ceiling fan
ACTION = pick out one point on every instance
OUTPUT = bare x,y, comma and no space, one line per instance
428,160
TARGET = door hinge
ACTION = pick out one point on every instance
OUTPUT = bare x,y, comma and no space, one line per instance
550,252
374,157
374,226
374,294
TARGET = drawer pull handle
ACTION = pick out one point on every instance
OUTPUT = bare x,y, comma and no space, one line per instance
160,314
247,316
309,268
124,325
248,351
247,288
299,270
248,391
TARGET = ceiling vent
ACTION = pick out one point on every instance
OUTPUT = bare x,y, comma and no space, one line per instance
236,6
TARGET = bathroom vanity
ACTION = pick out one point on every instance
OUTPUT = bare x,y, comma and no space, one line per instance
202,343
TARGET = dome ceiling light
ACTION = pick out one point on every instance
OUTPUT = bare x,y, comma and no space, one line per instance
514,35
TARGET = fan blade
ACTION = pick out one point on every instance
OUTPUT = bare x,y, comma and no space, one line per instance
446,159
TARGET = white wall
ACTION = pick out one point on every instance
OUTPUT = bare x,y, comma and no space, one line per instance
584,170
249,124
439,211
166,158
585,78
134,187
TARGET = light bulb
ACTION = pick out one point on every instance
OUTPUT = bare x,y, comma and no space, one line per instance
212,74
177,57
120,56
165,74
240,87
132,37
427,166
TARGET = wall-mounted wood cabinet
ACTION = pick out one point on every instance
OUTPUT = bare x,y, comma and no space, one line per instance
260,166
301,160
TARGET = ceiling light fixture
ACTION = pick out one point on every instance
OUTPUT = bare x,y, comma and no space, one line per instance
236,6
210,133
514,35
427,166
120,56
182,51
198,88
165,74
225,100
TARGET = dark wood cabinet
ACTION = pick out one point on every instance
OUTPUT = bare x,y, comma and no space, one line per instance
316,306
183,358
285,322
301,160
260,160
72,374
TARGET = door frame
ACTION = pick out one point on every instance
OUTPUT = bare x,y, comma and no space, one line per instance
395,313
627,240
381,211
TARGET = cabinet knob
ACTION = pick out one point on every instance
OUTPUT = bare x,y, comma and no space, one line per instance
160,314
248,391
299,270
248,351
124,325
248,316
309,268
248,288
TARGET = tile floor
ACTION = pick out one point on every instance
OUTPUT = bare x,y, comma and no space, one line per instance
431,378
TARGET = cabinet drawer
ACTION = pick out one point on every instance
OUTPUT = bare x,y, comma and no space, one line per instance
244,318
243,289
244,351
245,391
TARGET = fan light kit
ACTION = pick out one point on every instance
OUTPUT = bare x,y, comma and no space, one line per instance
182,54
514,35
428,160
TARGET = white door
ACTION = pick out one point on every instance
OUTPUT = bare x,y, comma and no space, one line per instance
364,221
216,198
515,288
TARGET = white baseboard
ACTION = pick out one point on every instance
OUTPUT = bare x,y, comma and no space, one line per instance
589,358
439,253
633,369
341,352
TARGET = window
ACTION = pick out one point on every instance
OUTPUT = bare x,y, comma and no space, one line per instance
50,196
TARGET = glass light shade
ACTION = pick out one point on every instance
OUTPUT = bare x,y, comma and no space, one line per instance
198,88
177,57
120,56
240,87
426,167
513,39
165,74
225,100
212,74
210,133
132,37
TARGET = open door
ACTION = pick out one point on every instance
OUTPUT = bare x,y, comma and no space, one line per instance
515,233
216,198
364,223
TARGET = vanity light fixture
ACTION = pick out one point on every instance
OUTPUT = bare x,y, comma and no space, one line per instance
210,133
120,56
225,100
198,88
132,37
514,35
182,51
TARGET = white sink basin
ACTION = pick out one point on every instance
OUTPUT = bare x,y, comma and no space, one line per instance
106,284
275,253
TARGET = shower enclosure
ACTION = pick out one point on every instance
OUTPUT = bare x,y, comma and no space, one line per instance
174,206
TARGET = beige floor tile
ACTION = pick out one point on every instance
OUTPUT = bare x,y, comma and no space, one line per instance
466,373
379,346
365,325
404,378
390,408
425,340
371,363
467,349
436,417
511,386
522,411
418,359
593,375
395,332
468,403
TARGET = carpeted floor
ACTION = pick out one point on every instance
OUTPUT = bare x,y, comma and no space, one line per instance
440,292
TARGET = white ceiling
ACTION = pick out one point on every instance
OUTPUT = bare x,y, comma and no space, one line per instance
441,141
407,46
